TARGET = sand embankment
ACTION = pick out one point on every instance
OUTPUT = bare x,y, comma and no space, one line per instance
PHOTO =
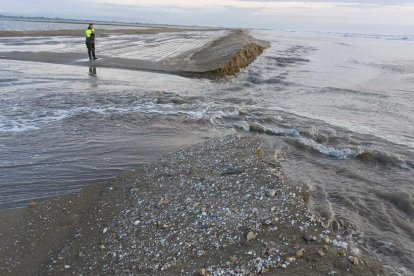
222,207
224,55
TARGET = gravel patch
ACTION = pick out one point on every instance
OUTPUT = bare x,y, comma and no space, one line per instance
223,207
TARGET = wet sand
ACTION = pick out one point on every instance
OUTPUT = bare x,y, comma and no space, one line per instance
220,207
223,56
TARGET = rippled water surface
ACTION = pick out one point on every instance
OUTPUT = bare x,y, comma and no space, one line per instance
337,109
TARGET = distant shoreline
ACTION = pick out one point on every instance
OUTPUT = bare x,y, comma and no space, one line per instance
100,22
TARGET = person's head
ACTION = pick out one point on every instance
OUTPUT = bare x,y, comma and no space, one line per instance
90,26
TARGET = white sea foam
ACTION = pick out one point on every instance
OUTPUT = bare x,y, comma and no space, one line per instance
339,153
35,121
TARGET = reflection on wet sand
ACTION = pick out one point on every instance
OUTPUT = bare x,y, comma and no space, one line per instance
92,71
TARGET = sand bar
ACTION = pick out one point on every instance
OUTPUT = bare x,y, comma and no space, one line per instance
205,53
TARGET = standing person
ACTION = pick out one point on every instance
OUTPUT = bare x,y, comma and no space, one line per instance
90,41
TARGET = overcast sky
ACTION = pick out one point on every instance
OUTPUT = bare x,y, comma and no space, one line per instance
373,16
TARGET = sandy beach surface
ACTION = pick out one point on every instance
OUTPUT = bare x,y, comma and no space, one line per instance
222,207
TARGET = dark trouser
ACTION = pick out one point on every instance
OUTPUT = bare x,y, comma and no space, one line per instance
91,49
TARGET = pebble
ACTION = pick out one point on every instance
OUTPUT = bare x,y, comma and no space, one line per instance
353,260
259,266
300,253
291,259
67,266
270,251
260,153
271,193
202,272
104,230
233,259
321,253
340,244
136,222
251,236
341,252
162,202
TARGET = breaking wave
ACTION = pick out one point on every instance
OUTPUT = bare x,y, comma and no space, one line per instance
256,127
36,120
339,153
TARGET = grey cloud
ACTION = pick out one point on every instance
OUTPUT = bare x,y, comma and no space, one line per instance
299,19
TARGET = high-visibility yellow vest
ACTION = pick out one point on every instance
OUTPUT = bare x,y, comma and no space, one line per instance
89,33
